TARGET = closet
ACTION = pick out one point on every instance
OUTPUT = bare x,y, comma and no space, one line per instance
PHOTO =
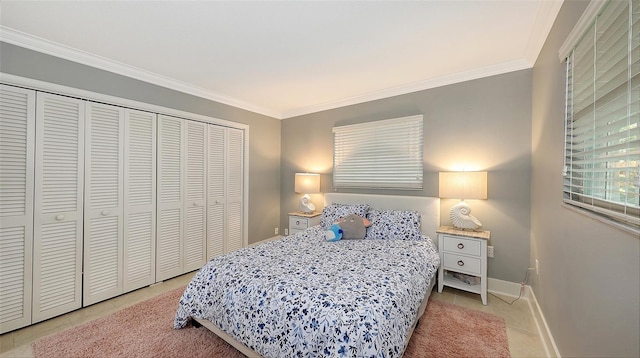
17,149
181,196
225,190
97,200
119,213
58,213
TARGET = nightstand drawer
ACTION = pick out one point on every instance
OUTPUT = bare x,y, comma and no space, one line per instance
461,246
462,264
298,223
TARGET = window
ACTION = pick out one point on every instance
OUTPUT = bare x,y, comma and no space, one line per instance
383,154
602,139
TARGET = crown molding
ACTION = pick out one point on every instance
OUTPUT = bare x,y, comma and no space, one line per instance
545,18
39,44
35,43
487,71
581,27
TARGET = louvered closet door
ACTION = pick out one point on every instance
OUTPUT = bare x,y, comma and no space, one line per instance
17,144
171,184
235,189
58,224
139,199
103,216
195,198
216,200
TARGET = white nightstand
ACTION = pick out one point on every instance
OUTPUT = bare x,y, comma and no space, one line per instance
300,221
463,252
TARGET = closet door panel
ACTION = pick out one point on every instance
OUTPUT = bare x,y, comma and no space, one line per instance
195,204
140,199
58,221
103,215
171,184
235,188
17,145
216,191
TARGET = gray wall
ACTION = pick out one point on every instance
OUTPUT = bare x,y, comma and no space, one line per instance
588,285
485,124
264,131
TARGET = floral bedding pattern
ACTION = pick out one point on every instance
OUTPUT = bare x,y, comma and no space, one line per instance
302,296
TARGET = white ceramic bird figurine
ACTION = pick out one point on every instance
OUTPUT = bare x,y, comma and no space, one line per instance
462,219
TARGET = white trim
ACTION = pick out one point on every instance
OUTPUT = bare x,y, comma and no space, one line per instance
123,102
502,287
543,331
546,16
116,101
459,77
52,48
35,43
581,26
603,219
512,289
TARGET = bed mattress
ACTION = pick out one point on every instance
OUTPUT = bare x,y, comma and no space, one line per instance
304,296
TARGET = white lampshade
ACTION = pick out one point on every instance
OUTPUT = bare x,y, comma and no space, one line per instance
307,183
463,185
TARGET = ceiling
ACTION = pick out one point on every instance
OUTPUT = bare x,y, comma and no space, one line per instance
288,58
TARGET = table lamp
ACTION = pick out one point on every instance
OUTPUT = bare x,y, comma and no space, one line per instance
463,185
307,183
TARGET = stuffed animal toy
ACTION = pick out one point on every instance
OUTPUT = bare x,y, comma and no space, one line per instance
354,226
334,233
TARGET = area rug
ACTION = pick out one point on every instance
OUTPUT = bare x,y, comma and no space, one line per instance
146,330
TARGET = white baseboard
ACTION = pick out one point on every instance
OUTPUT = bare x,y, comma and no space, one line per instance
541,324
512,289
506,288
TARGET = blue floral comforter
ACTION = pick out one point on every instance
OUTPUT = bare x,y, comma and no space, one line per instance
303,296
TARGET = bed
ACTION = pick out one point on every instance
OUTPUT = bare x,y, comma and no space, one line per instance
304,296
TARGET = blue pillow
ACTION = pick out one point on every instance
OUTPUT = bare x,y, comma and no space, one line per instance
334,233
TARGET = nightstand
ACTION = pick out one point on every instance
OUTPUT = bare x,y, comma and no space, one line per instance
465,252
300,221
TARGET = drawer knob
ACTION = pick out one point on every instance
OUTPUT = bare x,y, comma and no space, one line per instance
60,217
460,263
461,246
297,222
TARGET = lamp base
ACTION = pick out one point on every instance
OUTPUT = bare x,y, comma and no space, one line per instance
305,204
461,217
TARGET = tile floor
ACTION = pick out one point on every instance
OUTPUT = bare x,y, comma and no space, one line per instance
524,341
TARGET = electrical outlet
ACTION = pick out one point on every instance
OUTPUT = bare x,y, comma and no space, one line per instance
286,231
537,267
490,251
276,231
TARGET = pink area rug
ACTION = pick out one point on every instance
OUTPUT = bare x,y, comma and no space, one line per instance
146,330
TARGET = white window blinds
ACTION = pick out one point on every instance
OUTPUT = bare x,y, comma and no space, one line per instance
602,147
383,154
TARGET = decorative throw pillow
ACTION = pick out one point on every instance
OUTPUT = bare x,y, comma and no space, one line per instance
332,213
333,233
394,225
354,226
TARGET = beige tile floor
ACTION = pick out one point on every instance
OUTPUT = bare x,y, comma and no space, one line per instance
524,341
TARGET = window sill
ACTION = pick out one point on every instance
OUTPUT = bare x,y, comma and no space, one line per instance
602,219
